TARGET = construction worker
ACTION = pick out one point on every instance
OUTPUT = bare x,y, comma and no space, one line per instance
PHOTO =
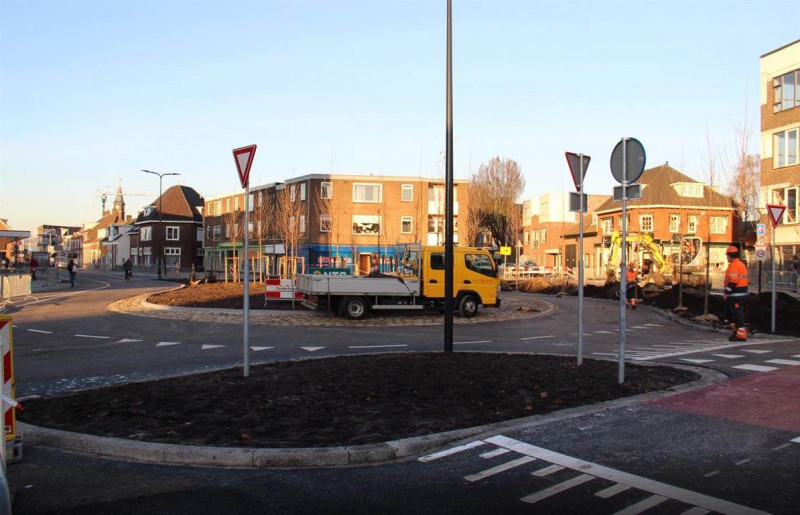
735,293
630,275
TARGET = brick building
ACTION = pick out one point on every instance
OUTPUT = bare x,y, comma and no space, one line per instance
338,220
780,140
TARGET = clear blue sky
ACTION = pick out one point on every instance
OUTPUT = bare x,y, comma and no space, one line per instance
92,92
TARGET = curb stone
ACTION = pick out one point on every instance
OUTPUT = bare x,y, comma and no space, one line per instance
316,457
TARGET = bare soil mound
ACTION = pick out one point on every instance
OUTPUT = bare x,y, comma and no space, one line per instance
346,400
220,295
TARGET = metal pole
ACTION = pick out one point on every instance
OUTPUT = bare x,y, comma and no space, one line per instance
580,262
160,227
448,233
680,273
772,280
246,306
623,279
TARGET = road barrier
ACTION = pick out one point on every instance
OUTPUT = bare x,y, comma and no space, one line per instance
280,289
15,286
13,446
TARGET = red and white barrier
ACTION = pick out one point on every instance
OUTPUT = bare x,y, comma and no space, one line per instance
9,408
280,289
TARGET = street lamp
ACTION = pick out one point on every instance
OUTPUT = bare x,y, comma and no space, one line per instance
161,247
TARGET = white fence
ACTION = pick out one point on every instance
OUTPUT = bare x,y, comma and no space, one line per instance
15,286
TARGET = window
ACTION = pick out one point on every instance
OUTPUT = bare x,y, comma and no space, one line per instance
173,233
228,205
252,202
227,232
526,237
210,209
435,224
719,224
302,192
147,233
646,222
407,194
366,224
787,197
293,192
217,232
236,204
302,224
787,92
544,235
406,224
218,208
689,189
480,263
209,232
692,223
607,225
437,261
674,222
199,235
172,251
786,148
200,252
324,223
367,193
326,190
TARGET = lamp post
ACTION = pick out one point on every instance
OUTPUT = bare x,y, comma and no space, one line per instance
161,246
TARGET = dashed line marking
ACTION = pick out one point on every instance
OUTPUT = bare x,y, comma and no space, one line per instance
789,362
208,346
538,337
92,336
697,361
756,368
742,462
451,451
476,341
362,346
645,504
499,452
782,446
499,468
729,356
759,351
557,489
612,491
128,340
604,332
40,331
167,344
712,474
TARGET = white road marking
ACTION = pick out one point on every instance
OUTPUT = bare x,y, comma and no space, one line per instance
642,505
538,337
796,356
496,452
362,346
639,327
604,332
165,344
742,462
557,489
706,348
617,476
552,469
789,362
729,356
452,450
795,440
756,368
128,340
312,349
698,361
261,348
499,468
654,325
712,474
39,331
207,346
759,351
782,446
612,491
695,511
92,336
476,341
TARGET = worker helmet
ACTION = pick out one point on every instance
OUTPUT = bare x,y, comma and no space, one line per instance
631,264
732,250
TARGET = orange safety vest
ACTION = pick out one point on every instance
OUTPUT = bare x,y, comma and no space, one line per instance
736,279
631,275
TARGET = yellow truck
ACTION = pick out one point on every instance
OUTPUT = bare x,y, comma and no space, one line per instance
416,283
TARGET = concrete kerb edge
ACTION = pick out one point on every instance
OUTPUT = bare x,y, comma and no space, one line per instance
314,457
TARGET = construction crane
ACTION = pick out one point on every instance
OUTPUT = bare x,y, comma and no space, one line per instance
108,191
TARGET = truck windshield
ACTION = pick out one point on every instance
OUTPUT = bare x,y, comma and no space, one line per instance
480,263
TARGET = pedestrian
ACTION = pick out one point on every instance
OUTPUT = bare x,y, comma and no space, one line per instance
72,268
796,263
34,264
128,266
630,294
735,293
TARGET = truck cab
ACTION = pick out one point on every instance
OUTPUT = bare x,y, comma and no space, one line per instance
475,279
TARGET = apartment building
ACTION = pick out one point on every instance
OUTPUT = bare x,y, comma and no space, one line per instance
780,144
330,220
672,207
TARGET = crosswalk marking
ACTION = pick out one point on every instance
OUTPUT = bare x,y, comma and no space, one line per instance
557,489
756,368
789,362
757,351
697,361
612,491
548,470
729,356
639,507
499,468
494,453
452,450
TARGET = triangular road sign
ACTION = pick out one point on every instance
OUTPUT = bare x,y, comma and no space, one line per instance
244,159
574,162
775,213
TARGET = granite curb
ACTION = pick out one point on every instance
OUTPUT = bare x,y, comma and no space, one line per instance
316,457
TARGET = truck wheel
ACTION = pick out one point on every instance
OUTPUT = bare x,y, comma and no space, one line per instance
354,308
468,307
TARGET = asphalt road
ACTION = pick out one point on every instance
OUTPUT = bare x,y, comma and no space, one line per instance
729,450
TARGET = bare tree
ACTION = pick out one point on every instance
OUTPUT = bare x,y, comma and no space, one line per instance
744,175
264,213
711,158
498,183
288,213
420,213
234,229
470,227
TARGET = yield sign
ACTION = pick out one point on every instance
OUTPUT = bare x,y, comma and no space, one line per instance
775,213
244,159
574,162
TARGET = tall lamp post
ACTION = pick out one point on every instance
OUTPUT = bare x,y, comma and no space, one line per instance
161,246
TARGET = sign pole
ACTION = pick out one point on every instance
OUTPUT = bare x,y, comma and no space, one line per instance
772,314
580,262
623,278
246,305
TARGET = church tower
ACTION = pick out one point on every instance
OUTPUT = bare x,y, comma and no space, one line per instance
119,204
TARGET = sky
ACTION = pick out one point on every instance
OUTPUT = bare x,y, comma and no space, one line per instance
93,92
